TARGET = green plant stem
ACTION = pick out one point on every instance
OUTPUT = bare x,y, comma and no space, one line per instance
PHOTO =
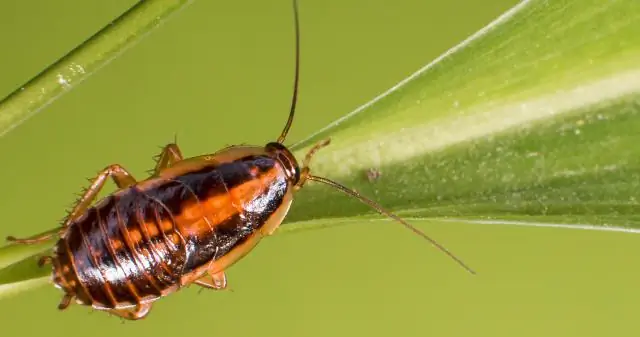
87,58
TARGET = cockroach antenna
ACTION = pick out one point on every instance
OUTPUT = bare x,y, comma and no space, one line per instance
305,172
294,98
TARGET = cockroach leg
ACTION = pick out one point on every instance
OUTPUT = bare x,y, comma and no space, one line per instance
170,155
217,281
220,280
120,176
306,171
139,312
65,302
31,240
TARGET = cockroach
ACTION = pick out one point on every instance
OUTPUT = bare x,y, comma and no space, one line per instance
187,223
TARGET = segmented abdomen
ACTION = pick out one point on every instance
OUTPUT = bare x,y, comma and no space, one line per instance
136,245
123,251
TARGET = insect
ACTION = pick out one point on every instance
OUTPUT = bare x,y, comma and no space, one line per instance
185,224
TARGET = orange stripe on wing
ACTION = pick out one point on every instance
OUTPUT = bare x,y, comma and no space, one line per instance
221,207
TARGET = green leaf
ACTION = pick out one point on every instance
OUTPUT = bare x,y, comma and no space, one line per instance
531,119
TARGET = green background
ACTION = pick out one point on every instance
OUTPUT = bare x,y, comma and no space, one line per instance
220,74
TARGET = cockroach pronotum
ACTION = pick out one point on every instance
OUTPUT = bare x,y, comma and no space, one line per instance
187,223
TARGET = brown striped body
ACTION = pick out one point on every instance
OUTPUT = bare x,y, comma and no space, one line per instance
186,224
148,240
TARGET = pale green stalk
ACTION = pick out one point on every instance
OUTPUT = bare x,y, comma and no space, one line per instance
86,59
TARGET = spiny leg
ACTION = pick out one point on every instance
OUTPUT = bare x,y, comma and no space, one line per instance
217,281
140,312
170,155
122,179
120,176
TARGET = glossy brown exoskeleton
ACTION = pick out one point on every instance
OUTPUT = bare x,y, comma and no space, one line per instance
185,224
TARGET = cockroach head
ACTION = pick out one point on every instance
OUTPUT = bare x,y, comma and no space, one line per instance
287,159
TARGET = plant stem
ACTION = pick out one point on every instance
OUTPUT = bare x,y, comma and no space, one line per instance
84,60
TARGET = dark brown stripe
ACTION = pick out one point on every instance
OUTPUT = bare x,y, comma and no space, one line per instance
189,200
100,286
239,209
217,243
156,220
105,259
178,251
195,202
134,254
236,229
84,296
167,276
130,295
216,180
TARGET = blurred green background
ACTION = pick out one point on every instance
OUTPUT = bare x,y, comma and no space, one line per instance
220,74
